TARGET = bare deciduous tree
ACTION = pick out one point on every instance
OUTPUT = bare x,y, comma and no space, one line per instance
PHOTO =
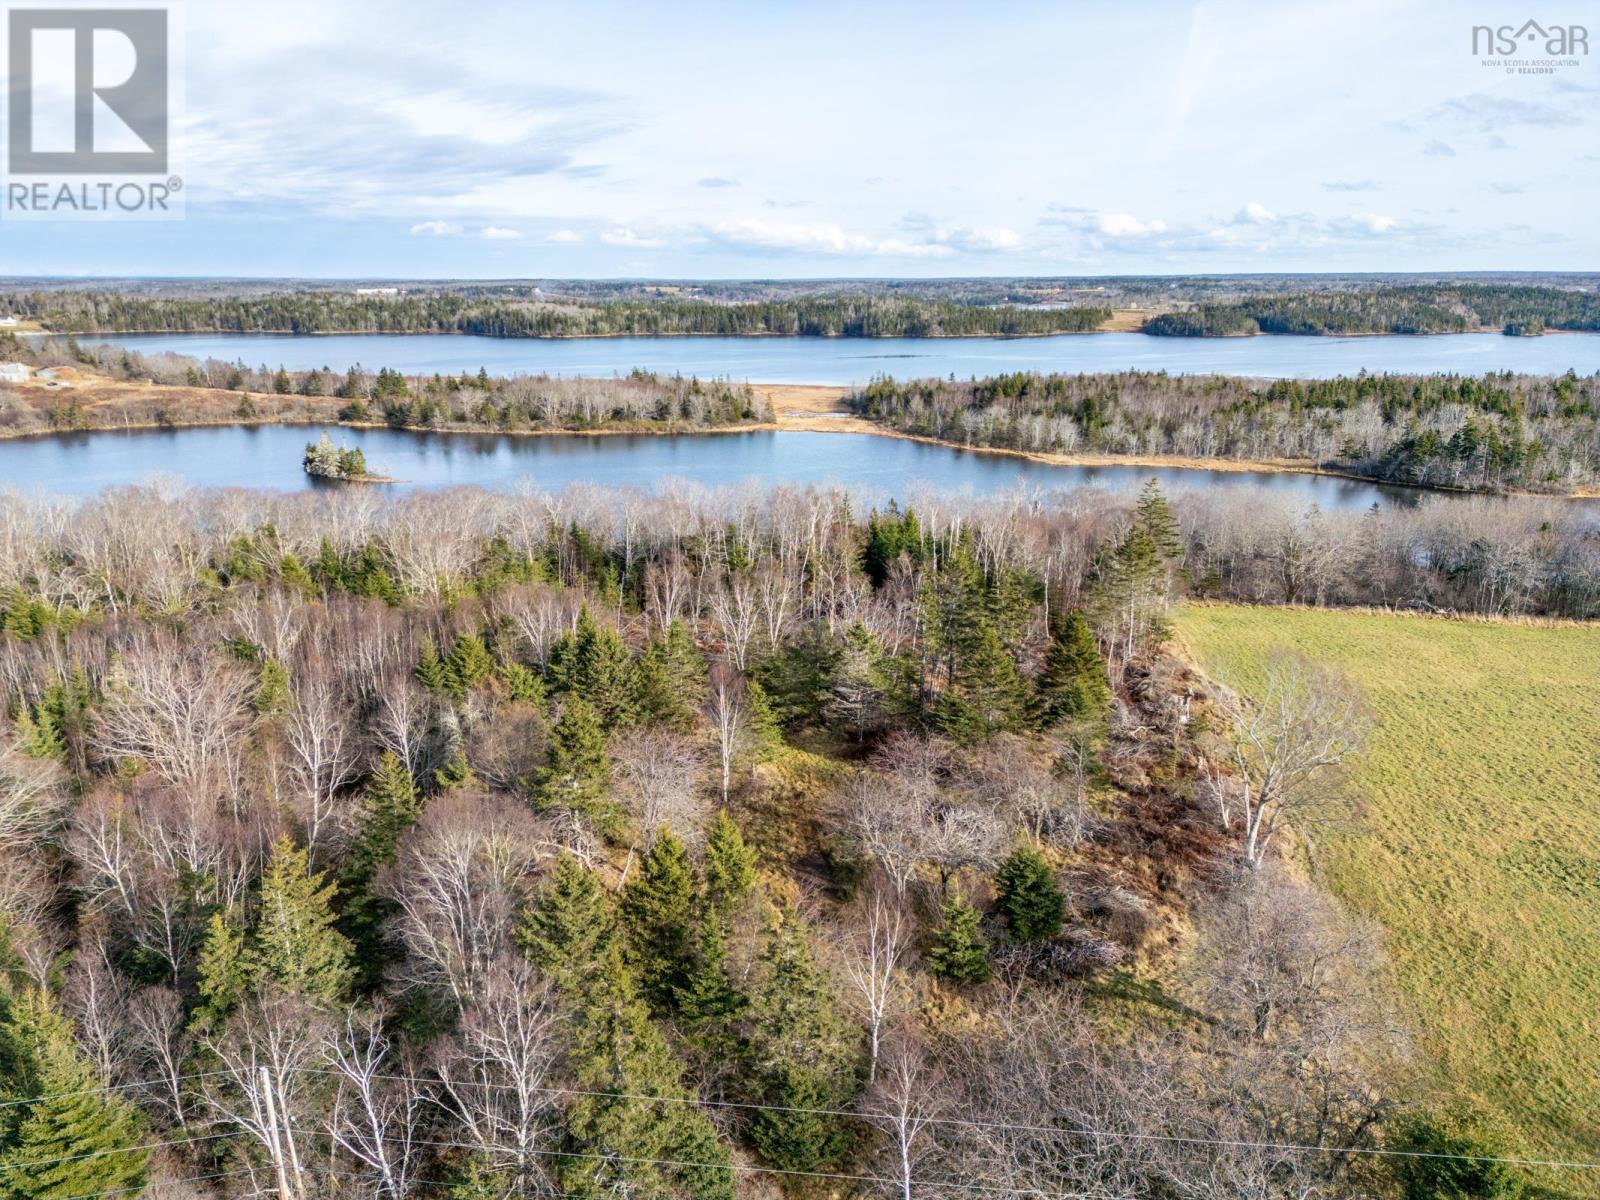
1307,722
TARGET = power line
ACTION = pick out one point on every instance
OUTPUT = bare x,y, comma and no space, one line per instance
967,1123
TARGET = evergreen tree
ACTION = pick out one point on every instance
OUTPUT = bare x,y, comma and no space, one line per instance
1154,516
570,927
577,772
672,679
990,696
296,944
1027,896
803,1053
659,908
61,1136
390,807
594,663
1073,686
730,865
635,1132
856,694
431,671
468,665
1447,1156
959,952
226,969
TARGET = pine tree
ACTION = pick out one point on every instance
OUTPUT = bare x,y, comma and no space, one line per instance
1073,686
296,944
856,692
730,865
390,807
227,969
431,671
594,663
635,1132
1154,516
570,927
672,679
659,908
61,1137
1027,896
468,665
959,952
803,1053
577,772
990,695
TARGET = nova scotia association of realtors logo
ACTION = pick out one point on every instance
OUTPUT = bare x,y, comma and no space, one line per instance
89,114
1531,47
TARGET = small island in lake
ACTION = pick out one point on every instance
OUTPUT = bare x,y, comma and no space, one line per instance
327,461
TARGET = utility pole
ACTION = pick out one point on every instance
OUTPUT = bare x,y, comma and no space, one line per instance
274,1137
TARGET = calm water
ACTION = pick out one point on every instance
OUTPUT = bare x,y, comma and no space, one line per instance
268,456
844,361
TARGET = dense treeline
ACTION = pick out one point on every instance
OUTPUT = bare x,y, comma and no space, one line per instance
333,312
1453,308
516,403
1478,432
462,846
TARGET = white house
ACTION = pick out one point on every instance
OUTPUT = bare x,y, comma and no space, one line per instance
13,373
7,322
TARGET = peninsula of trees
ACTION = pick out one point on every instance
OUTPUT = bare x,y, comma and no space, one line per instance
1483,433
499,316
1514,310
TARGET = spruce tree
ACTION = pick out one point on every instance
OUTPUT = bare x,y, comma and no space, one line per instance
468,665
803,1053
959,952
990,696
672,679
1073,686
635,1132
730,865
659,908
570,926
227,969
431,671
296,944
856,693
594,663
61,1136
1027,896
390,807
577,772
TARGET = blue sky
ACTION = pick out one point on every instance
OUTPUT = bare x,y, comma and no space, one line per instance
712,139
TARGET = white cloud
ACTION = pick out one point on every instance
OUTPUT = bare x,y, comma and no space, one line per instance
1255,214
622,236
1126,225
436,229
564,237
979,241
750,233
499,233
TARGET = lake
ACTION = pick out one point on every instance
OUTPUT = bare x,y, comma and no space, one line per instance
846,361
268,456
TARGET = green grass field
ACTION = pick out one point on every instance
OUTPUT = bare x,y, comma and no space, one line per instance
1478,844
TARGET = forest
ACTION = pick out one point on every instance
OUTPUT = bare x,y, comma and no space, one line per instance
701,844
213,392
501,316
1481,433
1454,308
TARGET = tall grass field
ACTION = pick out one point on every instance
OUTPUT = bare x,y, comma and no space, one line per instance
1475,844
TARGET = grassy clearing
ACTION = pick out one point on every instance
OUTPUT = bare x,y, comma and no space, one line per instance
1478,844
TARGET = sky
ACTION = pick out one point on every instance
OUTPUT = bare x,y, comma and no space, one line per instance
712,139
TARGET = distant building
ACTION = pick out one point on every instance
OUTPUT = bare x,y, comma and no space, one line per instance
7,322
394,291
13,373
